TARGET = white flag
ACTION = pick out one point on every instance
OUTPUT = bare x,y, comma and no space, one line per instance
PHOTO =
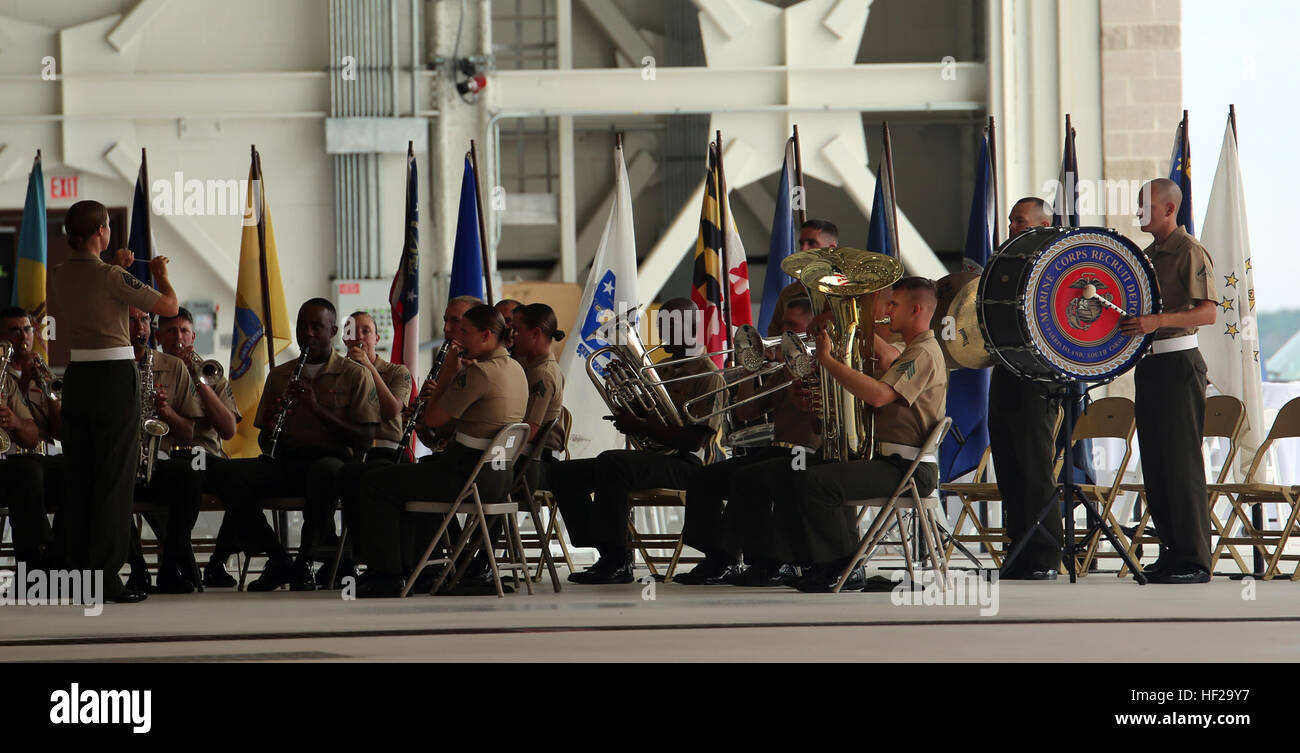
611,290
1231,345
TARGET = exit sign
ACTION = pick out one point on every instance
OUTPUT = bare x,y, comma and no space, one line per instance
63,186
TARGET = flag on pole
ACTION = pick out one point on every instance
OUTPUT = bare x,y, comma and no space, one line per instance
404,295
739,309
611,289
262,328
968,389
1180,172
139,239
29,282
706,290
882,233
1230,346
1065,207
783,241
467,256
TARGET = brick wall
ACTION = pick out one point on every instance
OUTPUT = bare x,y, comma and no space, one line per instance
1141,95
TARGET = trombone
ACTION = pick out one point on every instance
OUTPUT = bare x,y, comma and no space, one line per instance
752,363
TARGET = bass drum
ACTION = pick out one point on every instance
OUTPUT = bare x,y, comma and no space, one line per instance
1035,318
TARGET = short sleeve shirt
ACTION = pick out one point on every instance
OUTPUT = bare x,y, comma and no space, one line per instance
38,405
343,388
790,424
487,395
920,378
545,395
171,375
397,378
95,298
205,434
1185,274
688,389
15,403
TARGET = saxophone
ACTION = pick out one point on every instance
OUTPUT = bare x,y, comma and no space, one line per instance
152,428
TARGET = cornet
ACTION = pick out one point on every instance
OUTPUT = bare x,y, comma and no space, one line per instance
206,372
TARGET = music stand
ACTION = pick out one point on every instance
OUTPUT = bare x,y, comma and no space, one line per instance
1067,493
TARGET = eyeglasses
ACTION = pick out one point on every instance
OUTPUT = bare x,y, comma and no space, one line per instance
22,330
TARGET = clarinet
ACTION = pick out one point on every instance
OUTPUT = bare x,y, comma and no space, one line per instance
418,408
286,404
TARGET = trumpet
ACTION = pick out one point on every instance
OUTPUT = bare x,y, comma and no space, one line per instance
50,385
6,354
205,372
285,405
152,429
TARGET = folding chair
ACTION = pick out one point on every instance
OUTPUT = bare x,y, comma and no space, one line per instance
1225,418
665,541
927,509
554,526
506,446
1252,492
523,495
279,508
982,491
1107,418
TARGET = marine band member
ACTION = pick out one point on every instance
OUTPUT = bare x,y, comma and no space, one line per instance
535,329
812,234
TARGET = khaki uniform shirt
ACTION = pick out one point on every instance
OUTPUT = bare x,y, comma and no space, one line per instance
171,375
342,388
487,396
545,396
38,405
205,434
1185,274
397,378
94,299
681,392
920,378
15,403
790,425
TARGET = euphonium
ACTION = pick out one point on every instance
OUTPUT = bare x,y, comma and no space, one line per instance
622,385
152,429
6,354
842,284
285,405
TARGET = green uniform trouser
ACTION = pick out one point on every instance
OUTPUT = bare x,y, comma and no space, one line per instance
101,444
1170,407
1020,434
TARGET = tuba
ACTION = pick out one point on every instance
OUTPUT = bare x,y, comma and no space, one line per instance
843,284
628,381
152,429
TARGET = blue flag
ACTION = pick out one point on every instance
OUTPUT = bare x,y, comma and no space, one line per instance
467,258
1180,172
968,389
783,242
140,239
881,232
30,261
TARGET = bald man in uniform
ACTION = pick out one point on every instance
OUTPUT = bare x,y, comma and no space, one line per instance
909,399
1020,435
175,483
1169,382
332,419
812,234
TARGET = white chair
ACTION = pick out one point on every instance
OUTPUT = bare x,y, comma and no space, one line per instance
906,496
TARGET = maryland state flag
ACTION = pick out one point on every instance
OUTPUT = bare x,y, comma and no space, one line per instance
29,285
262,327
712,255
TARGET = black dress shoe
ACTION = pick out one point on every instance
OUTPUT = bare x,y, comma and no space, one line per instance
1154,569
603,574
215,576
1182,575
127,595
762,576
140,581
1022,574
474,584
823,580
707,573
276,573
347,569
171,581
372,585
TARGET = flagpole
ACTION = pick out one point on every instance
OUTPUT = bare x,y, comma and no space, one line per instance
482,227
993,172
148,211
724,299
798,178
1232,118
268,322
893,200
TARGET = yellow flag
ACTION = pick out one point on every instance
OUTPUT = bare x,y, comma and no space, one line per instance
257,310
29,287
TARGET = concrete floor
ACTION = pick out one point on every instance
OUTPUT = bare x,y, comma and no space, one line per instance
1099,618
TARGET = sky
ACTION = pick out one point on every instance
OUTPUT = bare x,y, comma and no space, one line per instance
1243,53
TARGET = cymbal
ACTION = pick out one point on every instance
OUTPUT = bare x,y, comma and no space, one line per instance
962,341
